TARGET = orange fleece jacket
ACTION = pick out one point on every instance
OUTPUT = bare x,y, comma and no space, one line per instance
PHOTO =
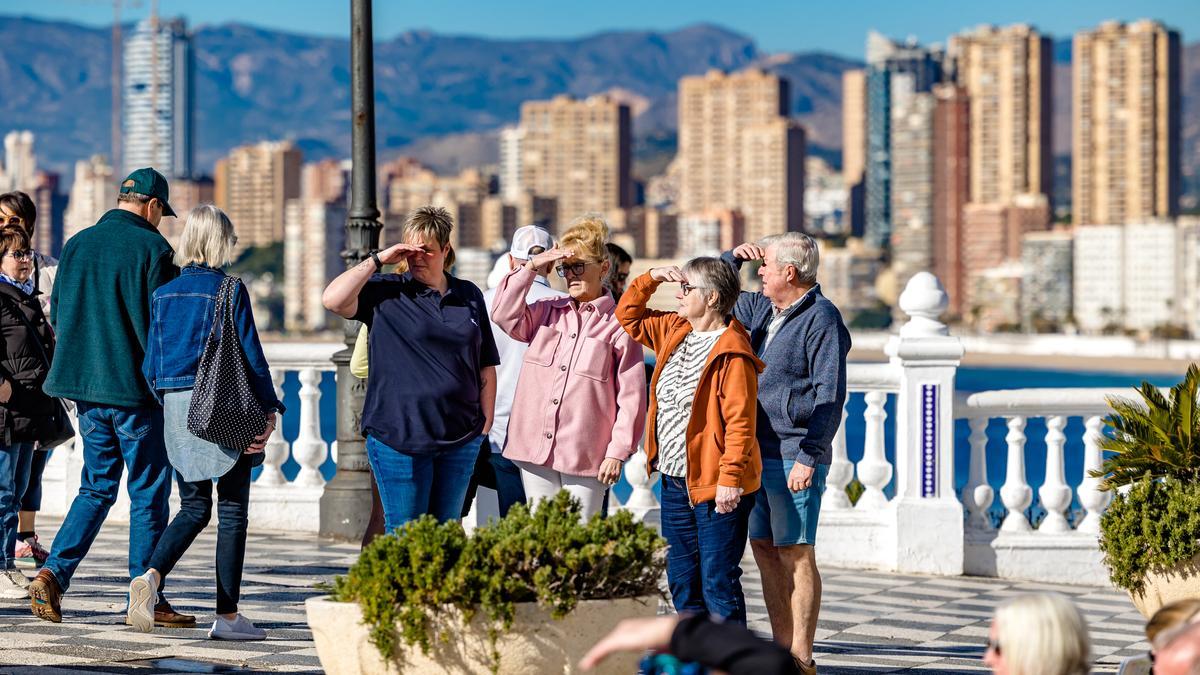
721,445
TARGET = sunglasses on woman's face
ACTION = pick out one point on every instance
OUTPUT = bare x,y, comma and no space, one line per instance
20,255
575,268
992,646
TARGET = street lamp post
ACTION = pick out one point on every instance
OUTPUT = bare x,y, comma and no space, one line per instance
346,503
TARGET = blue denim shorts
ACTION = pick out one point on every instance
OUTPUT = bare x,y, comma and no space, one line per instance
787,517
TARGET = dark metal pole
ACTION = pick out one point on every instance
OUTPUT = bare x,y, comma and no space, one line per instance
346,503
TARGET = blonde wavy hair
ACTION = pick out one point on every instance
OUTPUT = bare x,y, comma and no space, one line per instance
586,237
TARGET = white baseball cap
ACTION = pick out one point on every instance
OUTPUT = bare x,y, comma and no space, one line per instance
528,238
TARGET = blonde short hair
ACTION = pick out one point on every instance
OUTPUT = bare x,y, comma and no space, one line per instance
586,237
432,223
207,239
1043,634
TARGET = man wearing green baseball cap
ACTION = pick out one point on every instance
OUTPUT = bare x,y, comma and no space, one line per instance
100,310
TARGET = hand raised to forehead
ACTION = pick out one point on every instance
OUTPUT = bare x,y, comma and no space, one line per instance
397,252
668,273
542,262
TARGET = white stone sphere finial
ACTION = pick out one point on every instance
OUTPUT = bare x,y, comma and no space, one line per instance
924,300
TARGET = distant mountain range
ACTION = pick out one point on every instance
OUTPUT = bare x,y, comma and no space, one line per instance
440,97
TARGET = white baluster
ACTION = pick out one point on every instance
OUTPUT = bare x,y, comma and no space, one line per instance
1055,493
841,472
1016,493
874,470
1094,500
641,502
309,449
276,452
978,494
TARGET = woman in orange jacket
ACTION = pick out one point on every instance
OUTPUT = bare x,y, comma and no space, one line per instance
700,429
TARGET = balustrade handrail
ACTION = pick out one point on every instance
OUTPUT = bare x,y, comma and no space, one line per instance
298,355
863,377
1068,402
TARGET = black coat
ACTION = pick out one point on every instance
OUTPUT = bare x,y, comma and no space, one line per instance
23,365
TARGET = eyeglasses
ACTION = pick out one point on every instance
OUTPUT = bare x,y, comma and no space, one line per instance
992,646
621,277
575,268
20,255
13,219
688,288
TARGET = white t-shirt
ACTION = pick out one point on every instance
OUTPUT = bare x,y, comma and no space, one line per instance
512,356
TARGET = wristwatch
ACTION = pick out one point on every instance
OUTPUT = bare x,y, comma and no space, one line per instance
378,263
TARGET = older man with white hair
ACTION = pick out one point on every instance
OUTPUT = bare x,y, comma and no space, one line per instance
801,337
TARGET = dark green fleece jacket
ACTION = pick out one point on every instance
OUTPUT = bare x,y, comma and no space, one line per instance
100,310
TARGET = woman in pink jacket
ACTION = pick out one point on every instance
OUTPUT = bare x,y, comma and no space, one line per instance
580,405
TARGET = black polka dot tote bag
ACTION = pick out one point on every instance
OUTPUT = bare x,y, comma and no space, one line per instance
224,409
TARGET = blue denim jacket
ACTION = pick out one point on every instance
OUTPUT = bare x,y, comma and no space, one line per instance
181,317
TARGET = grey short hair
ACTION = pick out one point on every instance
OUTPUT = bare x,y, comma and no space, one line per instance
207,239
133,198
717,277
798,250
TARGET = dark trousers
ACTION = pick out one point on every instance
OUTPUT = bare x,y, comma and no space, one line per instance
32,499
495,471
195,510
704,553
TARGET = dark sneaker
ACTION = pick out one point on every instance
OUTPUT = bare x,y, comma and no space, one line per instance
30,553
45,597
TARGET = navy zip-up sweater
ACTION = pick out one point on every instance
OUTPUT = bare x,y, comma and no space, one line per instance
803,388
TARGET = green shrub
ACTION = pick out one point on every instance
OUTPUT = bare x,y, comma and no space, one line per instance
414,576
1153,528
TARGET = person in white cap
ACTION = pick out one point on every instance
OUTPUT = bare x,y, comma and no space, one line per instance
527,242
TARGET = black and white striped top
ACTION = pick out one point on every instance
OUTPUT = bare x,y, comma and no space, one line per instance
675,390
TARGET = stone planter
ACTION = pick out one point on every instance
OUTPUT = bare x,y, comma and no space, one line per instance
1182,582
535,644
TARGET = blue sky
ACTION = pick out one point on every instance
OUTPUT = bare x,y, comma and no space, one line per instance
837,26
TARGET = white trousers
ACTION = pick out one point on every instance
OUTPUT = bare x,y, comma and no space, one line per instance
542,482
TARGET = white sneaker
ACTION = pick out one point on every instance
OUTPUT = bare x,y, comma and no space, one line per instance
13,585
143,596
238,629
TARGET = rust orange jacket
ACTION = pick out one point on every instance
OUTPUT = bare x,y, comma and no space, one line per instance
721,445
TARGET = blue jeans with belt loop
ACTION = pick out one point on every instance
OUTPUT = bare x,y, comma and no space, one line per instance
412,485
14,474
704,552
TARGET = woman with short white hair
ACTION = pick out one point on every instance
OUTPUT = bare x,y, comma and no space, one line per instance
181,317
1038,634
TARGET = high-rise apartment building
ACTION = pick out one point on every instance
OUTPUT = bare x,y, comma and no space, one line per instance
708,234
158,98
854,147
314,236
886,59
253,185
951,173
1126,123
577,151
912,180
738,150
1006,72
93,193
512,177
992,236
20,163
1131,276
186,194
1047,259
461,195
51,205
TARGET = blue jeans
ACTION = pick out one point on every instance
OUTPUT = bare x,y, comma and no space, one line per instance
411,486
704,552
114,438
32,499
14,475
509,489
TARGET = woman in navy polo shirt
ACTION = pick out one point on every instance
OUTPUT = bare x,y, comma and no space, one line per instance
432,388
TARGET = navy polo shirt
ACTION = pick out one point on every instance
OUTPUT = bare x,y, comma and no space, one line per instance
426,352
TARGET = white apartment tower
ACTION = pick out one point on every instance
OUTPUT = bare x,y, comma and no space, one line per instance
158,98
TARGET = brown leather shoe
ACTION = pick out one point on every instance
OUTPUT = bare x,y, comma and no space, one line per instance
45,597
803,668
166,617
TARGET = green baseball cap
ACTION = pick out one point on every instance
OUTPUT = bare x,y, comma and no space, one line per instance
151,183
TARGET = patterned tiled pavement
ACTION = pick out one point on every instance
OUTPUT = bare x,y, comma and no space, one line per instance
870,622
